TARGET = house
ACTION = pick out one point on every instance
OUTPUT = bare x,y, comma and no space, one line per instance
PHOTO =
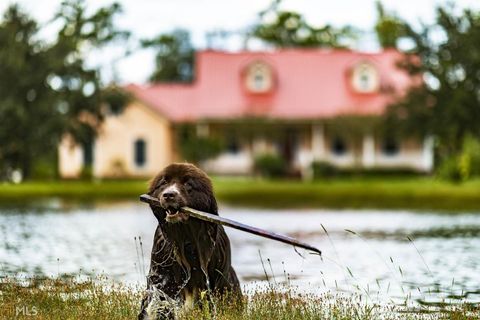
289,102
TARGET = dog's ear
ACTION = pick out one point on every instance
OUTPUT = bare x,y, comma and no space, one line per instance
213,205
153,184
208,190
157,212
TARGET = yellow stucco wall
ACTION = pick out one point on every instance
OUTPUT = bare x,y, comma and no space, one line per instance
70,158
114,145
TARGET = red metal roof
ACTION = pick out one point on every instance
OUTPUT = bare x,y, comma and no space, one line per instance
309,84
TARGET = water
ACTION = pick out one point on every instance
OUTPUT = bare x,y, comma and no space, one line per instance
431,258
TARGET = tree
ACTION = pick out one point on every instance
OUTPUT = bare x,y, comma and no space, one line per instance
20,86
284,29
174,57
389,28
447,102
46,89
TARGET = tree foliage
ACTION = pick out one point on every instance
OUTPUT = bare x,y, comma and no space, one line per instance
174,61
447,102
285,29
389,28
46,88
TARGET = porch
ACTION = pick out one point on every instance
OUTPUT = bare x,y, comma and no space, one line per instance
301,144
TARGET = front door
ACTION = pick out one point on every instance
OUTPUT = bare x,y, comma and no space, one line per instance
288,145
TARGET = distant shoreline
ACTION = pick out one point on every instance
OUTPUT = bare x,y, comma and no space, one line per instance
416,193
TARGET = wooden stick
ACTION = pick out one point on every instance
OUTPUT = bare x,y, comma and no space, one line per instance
205,216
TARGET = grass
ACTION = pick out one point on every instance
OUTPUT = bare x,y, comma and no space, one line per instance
74,189
397,193
423,193
93,299
66,299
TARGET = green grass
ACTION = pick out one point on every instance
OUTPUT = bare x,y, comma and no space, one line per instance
74,189
383,193
66,299
360,193
93,299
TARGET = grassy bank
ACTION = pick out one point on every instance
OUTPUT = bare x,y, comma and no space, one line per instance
82,190
397,193
69,299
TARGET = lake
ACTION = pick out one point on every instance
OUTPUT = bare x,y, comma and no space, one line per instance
427,257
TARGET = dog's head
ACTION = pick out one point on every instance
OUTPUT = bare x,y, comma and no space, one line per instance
180,185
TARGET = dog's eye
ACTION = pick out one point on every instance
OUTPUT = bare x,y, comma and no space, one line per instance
162,182
188,185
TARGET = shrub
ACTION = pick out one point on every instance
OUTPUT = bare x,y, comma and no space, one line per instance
449,170
270,165
197,149
322,169
463,166
469,160
44,169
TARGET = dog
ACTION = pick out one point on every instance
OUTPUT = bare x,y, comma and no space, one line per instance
190,258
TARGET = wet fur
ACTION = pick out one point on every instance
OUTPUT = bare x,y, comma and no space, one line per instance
188,257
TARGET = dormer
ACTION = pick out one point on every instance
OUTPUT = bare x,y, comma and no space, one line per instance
259,78
364,78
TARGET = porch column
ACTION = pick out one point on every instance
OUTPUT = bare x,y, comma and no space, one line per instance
427,154
368,151
259,145
318,142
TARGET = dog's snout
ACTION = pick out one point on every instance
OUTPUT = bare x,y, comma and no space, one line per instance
169,195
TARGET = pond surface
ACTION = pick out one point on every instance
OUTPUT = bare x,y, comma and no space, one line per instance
430,258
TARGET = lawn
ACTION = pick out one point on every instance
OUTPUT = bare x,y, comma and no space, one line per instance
94,299
423,193
73,189
360,193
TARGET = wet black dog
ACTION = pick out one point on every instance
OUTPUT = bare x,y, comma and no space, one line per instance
189,257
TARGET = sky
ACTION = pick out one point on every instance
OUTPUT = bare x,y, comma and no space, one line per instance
148,18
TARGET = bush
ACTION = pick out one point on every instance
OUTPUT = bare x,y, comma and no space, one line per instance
449,170
44,169
197,149
463,166
270,165
469,162
322,169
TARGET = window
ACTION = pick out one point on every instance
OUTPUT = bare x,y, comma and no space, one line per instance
390,147
259,77
338,147
140,152
233,146
365,78
365,81
259,81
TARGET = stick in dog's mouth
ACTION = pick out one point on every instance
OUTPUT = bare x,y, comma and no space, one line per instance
184,212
